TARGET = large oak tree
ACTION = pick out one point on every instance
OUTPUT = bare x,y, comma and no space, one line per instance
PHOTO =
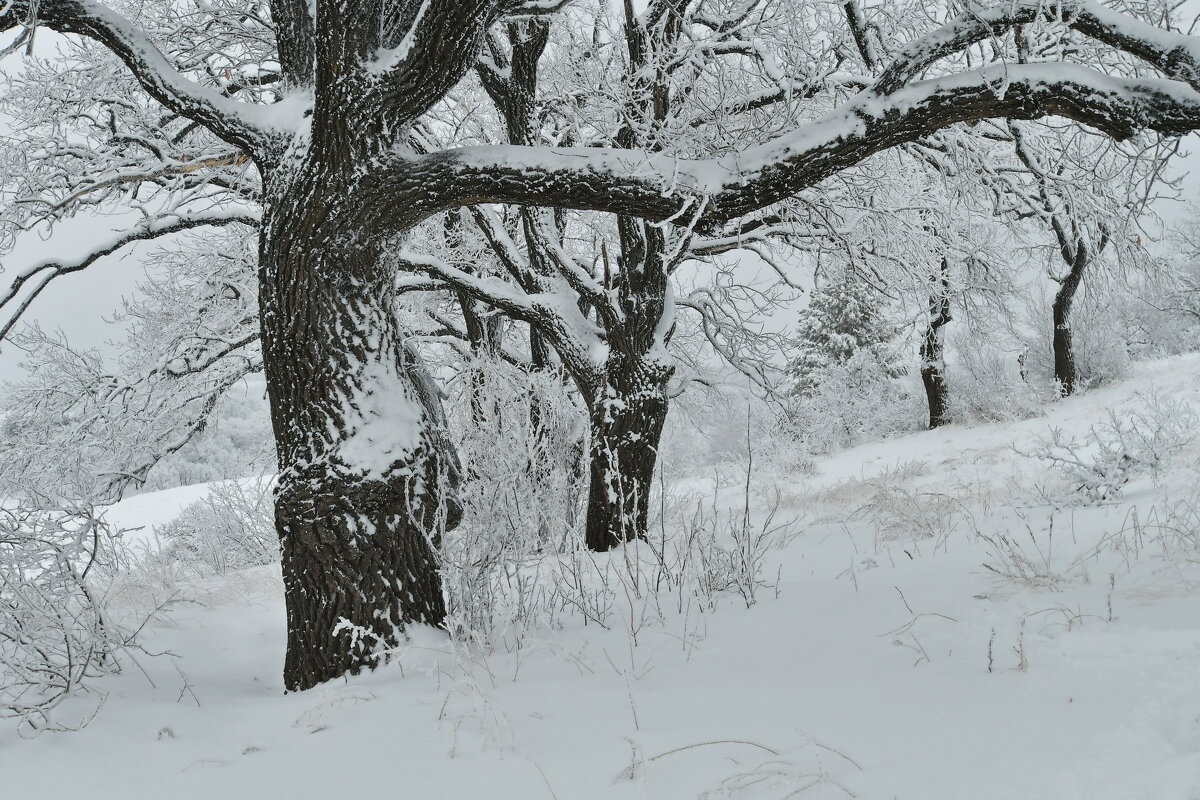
359,490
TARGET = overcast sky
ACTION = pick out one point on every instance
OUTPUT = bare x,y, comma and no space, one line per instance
82,304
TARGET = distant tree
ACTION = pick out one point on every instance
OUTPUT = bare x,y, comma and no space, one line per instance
842,320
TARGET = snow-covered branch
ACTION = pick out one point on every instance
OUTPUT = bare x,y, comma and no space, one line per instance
557,316
660,187
249,127
1176,55
35,278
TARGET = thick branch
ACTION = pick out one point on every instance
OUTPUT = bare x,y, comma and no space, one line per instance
660,187
295,37
440,46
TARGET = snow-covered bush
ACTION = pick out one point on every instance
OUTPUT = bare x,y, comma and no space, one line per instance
55,636
717,550
233,527
852,402
990,385
1162,308
711,427
518,563
900,513
521,441
110,417
846,382
1106,335
1098,464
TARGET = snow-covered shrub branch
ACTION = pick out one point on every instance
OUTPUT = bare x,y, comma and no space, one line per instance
1119,449
77,416
56,565
232,528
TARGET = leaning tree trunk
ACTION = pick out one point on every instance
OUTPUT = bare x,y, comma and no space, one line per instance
1066,374
933,352
627,417
357,506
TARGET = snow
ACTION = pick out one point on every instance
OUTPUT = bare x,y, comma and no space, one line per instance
141,515
866,670
385,422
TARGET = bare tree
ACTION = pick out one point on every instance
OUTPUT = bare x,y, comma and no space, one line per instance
1091,194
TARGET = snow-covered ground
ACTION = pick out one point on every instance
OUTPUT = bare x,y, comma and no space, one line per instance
141,516
947,619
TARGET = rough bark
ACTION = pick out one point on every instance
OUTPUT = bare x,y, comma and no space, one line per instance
933,352
627,420
357,505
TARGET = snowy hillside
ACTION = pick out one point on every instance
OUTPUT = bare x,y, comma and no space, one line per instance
944,618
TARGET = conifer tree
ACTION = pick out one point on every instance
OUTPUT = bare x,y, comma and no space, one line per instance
842,320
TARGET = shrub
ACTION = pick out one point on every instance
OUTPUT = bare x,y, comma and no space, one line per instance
55,637
1098,464
233,527
852,402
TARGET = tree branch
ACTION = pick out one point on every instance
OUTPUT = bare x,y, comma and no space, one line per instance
47,271
1176,55
242,124
661,187
295,36
558,317
440,46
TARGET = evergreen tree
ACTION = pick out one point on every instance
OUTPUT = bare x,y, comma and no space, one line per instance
842,320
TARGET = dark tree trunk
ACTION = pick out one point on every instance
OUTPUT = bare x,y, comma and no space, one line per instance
627,418
933,352
360,448
1065,373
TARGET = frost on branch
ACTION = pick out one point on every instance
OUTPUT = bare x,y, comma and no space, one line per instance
1112,453
56,565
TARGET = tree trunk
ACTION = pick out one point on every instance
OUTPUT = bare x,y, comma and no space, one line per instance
1065,373
627,418
933,352
360,468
